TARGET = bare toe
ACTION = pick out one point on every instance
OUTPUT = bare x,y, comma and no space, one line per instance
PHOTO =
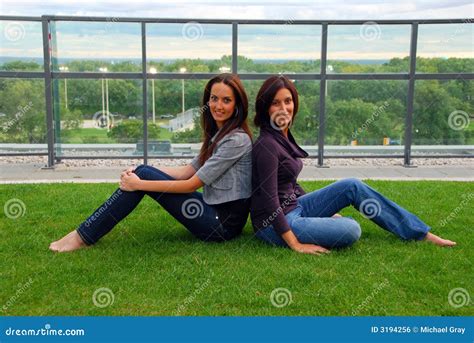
72,241
439,241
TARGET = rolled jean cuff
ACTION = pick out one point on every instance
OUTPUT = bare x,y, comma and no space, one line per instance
421,235
84,238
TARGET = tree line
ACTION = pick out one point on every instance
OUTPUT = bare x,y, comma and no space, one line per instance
365,111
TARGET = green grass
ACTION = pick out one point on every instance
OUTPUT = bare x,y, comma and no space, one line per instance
154,266
87,135
99,136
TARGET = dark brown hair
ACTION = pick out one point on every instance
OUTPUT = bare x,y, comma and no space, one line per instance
267,93
238,119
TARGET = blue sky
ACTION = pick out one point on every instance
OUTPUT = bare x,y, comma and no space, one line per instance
119,40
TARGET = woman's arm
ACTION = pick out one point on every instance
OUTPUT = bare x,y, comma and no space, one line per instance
229,150
178,173
131,182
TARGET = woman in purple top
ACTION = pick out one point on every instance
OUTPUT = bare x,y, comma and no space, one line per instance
282,214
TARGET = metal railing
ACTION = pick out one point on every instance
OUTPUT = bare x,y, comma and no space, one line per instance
411,76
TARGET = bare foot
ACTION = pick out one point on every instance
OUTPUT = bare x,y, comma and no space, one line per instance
439,241
337,215
72,241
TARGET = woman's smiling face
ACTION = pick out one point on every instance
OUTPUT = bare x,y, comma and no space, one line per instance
221,103
281,109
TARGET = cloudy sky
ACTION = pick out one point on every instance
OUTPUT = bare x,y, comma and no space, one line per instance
246,9
122,40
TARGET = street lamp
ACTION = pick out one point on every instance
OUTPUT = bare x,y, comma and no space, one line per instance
182,70
63,68
153,71
104,70
329,70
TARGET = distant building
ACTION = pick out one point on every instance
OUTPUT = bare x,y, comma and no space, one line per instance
183,121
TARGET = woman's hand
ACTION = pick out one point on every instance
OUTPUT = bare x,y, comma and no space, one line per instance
129,182
129,170
290,239
310,249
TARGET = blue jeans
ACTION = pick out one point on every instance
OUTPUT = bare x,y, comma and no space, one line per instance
189,209
312,223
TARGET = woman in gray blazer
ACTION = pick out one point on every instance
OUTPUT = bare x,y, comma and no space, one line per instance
223,168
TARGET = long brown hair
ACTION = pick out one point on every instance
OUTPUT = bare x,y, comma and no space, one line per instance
238,119
267,93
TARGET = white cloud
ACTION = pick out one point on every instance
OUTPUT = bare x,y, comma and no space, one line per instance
314,9
291,41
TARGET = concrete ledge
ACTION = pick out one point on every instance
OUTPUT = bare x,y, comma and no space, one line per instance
33,173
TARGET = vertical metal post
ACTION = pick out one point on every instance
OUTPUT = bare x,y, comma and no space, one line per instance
53,49
145,97
322,94
234,47
411,94
107,104
48,91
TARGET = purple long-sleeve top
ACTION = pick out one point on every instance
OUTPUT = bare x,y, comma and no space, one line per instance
276,165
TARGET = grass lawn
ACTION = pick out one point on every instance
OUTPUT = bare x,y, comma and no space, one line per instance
99,136
153,266
85,135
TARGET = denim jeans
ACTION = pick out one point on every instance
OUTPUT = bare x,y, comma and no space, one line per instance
312,223
189,209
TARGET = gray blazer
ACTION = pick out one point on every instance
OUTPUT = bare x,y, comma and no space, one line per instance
227,174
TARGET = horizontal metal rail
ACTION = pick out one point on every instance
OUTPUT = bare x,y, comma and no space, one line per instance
410,76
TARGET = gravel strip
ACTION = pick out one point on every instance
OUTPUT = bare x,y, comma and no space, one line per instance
337,162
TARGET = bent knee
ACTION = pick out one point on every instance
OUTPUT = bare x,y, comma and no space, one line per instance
352,181
351,234
145,172
140,167
354,231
